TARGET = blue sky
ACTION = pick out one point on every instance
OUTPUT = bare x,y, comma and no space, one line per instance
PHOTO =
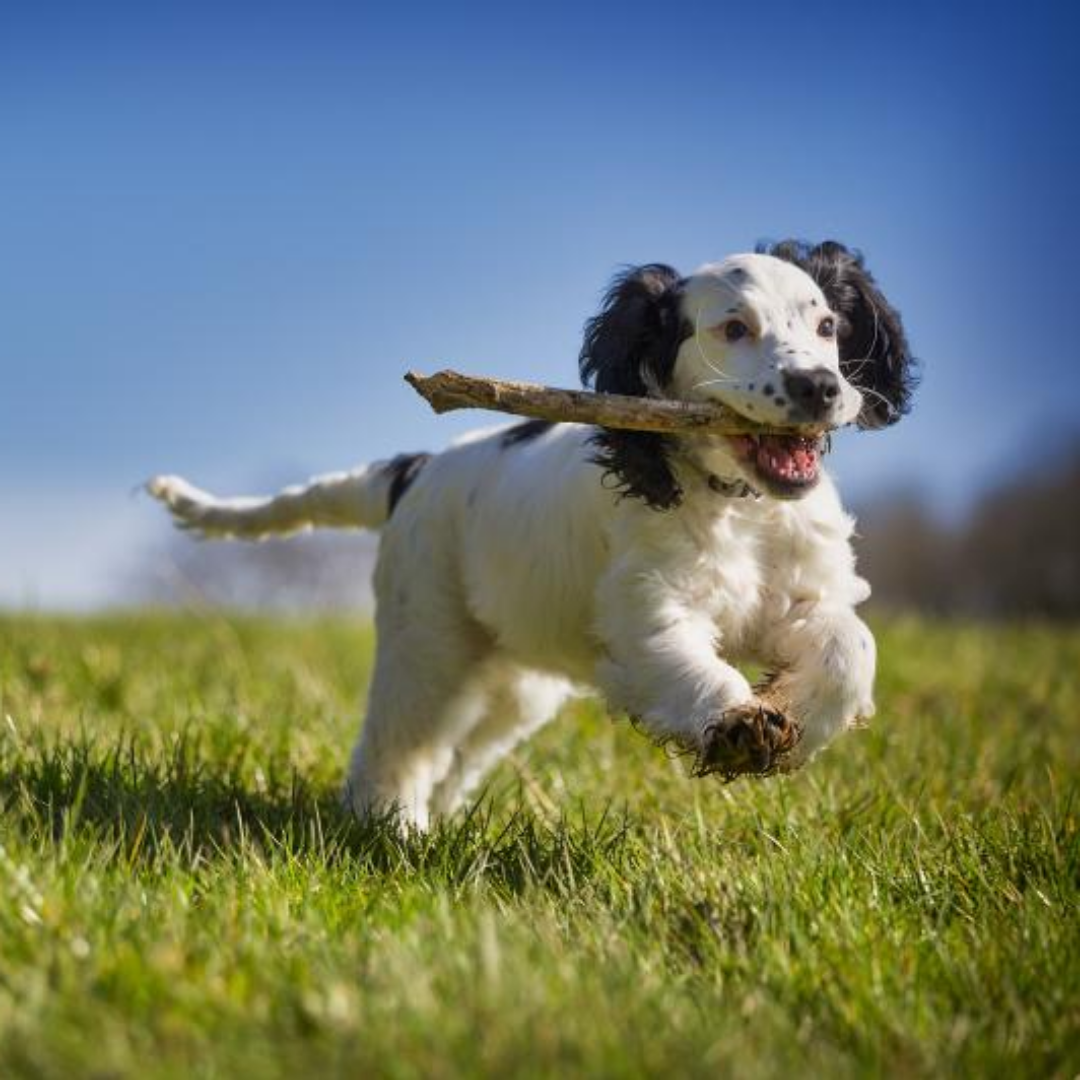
226,230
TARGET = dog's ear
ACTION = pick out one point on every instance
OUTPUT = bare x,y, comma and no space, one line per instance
630,348
874,353
631,345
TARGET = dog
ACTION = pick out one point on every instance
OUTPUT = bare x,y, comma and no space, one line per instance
535,562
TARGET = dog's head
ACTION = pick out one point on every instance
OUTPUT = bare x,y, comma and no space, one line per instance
790,336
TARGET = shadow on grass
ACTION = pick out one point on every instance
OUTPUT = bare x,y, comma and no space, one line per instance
146,807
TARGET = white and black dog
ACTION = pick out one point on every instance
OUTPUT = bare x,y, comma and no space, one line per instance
529,563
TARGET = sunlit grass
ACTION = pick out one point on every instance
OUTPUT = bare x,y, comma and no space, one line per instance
181,895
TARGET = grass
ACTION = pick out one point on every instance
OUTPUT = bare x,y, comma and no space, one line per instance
180,894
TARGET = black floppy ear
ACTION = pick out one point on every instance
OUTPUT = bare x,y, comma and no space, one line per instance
631,345
874,353
630,348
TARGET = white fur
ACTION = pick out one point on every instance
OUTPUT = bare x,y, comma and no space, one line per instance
510,577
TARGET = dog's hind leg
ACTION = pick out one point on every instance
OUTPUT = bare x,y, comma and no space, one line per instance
406,745
516,703
427,692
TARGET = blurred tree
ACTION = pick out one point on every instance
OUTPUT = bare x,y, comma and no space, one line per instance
314,571
1017,554
906,554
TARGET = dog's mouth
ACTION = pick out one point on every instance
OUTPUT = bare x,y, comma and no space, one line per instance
786,465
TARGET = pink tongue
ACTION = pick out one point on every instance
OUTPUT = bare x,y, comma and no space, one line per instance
791,454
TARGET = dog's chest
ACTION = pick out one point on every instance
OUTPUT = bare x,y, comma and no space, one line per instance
744,563
720,563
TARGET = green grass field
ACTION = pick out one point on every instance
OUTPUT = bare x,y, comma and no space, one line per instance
180,894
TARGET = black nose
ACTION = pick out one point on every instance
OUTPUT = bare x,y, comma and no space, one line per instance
812,392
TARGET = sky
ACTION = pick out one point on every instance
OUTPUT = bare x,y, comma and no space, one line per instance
226,230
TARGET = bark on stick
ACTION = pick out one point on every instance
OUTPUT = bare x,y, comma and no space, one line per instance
448,390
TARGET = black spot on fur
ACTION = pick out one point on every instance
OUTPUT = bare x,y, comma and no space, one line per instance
403,470
874,352
525,432
630,348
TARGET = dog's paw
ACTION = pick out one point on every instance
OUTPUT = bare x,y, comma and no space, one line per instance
753,739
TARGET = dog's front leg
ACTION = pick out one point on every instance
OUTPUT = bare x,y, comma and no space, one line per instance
660,663
825,658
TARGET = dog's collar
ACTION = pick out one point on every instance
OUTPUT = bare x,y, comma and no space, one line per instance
732,489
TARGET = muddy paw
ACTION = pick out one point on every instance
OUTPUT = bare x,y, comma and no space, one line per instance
753,738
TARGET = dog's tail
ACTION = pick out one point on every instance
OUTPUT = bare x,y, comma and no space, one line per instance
360,499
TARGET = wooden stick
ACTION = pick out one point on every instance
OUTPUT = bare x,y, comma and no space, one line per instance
448,390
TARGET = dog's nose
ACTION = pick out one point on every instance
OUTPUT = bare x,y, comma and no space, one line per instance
812,392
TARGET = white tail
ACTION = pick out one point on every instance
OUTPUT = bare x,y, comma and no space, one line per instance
359,499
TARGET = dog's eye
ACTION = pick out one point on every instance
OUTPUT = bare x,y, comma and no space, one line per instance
735,330
827,327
